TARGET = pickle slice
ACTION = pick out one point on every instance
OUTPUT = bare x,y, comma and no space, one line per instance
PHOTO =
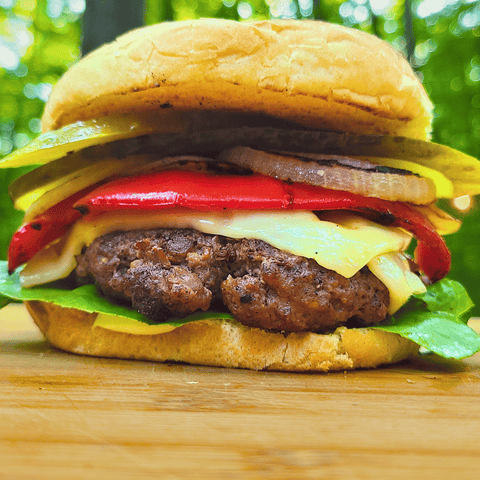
53,145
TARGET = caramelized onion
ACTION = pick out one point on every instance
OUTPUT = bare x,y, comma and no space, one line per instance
337,173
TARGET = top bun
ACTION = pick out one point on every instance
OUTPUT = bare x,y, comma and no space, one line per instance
317,74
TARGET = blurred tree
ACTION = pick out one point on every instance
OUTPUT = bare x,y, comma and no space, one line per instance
156,12
39,39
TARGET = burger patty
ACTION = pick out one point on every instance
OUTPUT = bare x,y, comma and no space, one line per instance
167,273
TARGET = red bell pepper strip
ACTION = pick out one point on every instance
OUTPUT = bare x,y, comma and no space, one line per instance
165,189
200,191
42,230
182,188
431,254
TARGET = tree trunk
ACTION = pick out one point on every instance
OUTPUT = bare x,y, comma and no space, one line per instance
409,34
105,20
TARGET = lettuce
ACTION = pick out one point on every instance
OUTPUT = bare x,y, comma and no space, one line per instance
435,320
84,298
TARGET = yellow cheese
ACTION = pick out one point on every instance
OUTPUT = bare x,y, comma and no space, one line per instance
130,325
442,222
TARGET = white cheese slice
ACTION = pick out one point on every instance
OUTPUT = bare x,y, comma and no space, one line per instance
344,248
393,270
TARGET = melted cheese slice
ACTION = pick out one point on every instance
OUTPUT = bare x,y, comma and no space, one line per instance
343,243
344,249
393,270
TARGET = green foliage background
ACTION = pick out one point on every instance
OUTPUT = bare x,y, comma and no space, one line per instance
39,39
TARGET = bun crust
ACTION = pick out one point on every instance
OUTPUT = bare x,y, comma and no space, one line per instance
313,73
224,344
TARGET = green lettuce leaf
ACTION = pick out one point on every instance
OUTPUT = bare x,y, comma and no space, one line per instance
84,298
435,320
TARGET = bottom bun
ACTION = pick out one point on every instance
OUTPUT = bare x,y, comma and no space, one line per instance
223,343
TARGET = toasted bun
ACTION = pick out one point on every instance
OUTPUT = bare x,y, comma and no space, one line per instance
224,344
316,74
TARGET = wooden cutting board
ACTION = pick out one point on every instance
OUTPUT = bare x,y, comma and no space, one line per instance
68,417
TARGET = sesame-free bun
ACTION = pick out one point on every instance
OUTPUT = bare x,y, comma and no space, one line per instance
316,74
224,344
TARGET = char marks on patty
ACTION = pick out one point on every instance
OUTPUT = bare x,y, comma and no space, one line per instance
165,273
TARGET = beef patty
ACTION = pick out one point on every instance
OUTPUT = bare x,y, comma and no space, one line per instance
167,273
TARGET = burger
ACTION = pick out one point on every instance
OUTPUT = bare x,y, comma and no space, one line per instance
241,195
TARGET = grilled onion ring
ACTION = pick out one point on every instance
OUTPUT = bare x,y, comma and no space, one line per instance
337,173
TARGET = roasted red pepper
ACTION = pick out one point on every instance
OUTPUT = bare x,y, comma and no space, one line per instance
42,230
181,188
432,254
200,191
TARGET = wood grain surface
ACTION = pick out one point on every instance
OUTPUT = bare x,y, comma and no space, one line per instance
69,417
